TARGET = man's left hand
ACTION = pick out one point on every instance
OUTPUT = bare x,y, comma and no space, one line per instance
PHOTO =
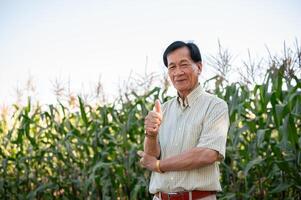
147,161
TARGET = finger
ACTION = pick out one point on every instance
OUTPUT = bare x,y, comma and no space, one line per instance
157,107
152,126
141,164
155,120
151,131
152,123
140,153
153,114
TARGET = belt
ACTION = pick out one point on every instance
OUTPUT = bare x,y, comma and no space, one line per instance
195,194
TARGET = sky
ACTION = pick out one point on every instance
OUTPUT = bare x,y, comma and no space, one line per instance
82,41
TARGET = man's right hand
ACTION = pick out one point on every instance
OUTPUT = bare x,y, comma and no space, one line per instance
153,120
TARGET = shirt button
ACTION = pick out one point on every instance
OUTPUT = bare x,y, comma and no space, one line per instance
171,178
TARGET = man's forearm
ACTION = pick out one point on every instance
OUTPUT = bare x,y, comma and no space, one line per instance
191,159
152,147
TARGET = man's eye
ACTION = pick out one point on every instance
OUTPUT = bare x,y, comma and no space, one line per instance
171,67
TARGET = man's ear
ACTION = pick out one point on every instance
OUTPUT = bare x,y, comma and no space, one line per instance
200,67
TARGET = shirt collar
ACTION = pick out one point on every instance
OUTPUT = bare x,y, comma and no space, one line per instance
191,97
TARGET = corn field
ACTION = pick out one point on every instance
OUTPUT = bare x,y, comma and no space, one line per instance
90,152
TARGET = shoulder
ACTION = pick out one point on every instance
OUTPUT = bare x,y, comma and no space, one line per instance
166,105
214,102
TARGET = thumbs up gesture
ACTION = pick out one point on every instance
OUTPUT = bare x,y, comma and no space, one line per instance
153,120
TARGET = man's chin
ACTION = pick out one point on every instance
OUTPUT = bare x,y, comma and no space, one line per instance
180,89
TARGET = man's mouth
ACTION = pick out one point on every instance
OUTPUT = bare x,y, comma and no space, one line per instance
180,80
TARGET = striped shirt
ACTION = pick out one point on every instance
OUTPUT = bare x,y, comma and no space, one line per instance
200,121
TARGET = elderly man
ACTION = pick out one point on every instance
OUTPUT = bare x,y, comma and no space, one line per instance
186,138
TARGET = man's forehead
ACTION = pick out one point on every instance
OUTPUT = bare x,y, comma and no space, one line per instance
181,60
179,55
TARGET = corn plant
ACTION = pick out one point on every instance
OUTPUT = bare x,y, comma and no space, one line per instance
90,151
263,151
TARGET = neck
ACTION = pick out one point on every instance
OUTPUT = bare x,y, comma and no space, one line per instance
184,94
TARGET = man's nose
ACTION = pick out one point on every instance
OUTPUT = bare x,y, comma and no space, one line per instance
178,71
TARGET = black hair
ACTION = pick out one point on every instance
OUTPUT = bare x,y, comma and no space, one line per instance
193,49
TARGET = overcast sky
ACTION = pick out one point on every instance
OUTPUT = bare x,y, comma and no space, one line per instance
81,40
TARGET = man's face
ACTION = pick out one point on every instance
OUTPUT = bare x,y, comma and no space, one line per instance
183,71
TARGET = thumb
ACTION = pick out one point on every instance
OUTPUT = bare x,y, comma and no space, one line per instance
157,107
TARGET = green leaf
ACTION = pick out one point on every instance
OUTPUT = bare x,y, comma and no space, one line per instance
281,187
83,112
40,189
260,136
292,131
251,164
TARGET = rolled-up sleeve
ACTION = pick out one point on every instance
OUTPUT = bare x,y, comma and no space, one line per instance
215,129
